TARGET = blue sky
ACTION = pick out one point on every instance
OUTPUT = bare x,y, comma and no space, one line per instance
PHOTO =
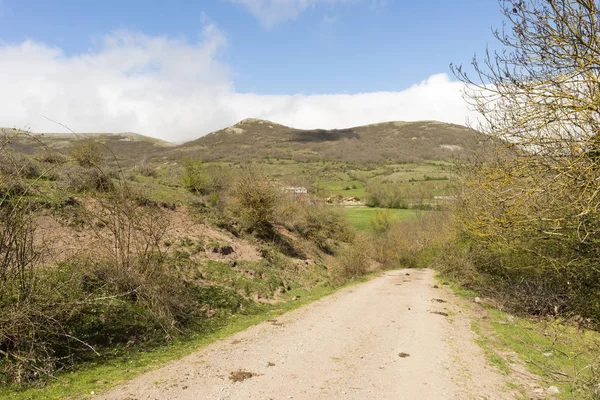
219,60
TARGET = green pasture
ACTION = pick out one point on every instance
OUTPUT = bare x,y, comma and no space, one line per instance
360,216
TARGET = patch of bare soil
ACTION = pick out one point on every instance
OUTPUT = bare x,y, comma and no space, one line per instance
63,241
377,340
227,246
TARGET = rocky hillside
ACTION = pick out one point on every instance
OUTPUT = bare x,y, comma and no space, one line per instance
388,141
127,147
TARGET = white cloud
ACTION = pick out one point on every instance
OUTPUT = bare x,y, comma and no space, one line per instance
271,12
437,98
178,90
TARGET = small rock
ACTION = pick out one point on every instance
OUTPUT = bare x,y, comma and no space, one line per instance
403,355
295,297
407,274
477,300
538,390
435,286
553,390
547,354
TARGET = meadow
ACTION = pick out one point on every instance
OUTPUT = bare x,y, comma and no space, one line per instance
360,216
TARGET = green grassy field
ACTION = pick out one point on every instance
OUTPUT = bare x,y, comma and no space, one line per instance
349,188
360,216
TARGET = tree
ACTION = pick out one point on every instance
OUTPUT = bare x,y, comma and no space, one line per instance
541,95
538,204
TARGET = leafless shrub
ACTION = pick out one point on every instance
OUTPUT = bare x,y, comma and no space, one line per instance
322,224
405,243
145,169
18,255
19,258
19,165
79,179
87,153
130,236
51,157
353,259
252,201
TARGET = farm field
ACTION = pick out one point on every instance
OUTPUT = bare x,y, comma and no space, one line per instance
360,216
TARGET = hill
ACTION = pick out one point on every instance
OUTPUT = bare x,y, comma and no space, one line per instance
383,142
254,139
128,147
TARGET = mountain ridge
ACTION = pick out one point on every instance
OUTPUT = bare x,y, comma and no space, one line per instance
252,138
392,141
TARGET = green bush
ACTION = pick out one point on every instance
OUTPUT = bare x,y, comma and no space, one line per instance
322,224
521,282
386,195
253,199
80,310
203,179
12,186
353,260
194,176
87,153
381,222
145,169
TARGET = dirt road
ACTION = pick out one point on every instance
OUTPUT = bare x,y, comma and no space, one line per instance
384,339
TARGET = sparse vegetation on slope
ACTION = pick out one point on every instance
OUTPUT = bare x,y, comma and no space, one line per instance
123,270
390,142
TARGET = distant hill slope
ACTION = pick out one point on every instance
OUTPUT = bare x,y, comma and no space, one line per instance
127,146
388,141
259,139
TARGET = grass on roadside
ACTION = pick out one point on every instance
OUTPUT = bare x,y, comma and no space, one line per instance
558,352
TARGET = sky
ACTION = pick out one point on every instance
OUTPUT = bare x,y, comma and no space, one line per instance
179,69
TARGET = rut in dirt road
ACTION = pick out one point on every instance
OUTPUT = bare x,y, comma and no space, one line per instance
394,337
